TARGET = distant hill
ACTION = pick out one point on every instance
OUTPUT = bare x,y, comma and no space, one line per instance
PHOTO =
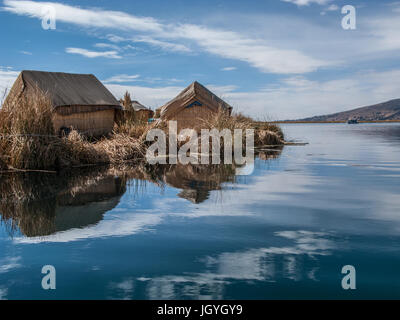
389,110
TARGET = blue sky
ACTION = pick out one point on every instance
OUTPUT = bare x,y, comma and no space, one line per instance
275,59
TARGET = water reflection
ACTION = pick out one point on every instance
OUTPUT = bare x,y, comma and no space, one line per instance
205,232
196,182
38,205
297,261
388,132
43,204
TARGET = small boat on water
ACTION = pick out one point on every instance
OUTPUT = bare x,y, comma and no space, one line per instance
352,121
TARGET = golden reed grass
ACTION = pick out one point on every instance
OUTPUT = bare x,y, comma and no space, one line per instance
28,140
265,133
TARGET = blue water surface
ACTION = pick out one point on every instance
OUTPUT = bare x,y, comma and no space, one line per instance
285,231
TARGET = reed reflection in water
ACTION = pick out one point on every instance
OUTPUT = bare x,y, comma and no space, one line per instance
38,204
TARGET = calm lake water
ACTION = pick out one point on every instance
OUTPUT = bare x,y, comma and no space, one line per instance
285,231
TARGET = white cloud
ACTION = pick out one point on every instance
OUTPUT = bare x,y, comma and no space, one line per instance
122,78
308,2
167,46
269,49
386,30
256,52
94,54
114,38
300,97
7,78
83,17
332,7
151,97
107,45
298,82
228,44
26,53
229,69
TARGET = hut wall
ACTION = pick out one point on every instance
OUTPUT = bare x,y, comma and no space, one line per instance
89,123
141,116
192,117
144,115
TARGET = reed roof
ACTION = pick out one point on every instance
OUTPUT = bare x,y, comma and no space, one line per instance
195,92
137,106
67,89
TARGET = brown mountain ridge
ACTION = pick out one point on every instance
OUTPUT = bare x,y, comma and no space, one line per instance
386,111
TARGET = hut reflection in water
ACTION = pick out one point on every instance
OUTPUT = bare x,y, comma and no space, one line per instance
37,204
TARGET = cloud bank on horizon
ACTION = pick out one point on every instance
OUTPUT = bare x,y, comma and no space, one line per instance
285,59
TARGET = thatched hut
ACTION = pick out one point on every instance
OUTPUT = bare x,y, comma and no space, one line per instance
194,103
134,110
80,101
141,111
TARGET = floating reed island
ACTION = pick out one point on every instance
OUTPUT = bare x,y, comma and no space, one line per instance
51,121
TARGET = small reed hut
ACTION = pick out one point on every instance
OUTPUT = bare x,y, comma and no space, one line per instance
134,110
194,103
141,111
80,101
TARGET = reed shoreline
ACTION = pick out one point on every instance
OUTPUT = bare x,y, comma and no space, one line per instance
28,141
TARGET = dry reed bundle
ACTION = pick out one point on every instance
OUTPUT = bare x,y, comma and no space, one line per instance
268,134
264,133
222,120
121,148
27,137
131,128
79,151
